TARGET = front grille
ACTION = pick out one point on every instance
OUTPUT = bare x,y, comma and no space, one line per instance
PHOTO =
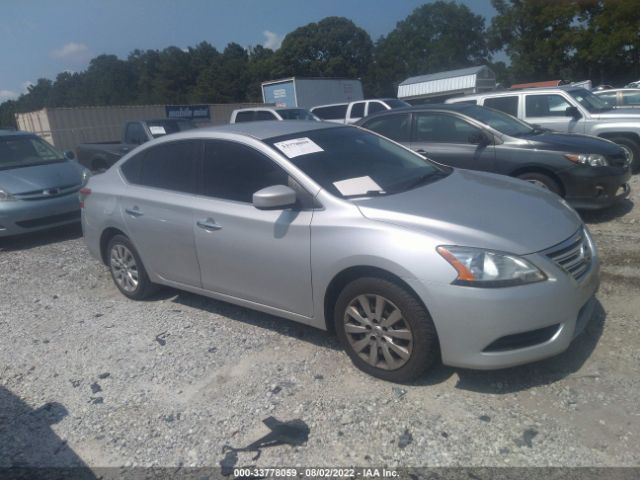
50,220
47,193
573,255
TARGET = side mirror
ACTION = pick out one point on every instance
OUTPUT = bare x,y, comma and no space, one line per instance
69,155
276,197
478,138
573,112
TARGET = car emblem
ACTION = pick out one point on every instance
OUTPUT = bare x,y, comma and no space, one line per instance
51,191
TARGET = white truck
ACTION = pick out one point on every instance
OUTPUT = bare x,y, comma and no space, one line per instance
352,112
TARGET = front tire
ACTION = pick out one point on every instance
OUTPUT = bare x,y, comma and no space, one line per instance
127,270
541,180
385,330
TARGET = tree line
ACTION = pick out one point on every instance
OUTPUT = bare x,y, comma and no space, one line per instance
543,40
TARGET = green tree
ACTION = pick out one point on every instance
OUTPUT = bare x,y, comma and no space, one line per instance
437,36
537,35
332,47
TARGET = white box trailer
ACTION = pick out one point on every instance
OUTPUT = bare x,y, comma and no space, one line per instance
310,92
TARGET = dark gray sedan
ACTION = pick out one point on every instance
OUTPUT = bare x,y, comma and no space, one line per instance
589,172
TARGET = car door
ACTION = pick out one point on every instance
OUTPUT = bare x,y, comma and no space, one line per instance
549,111
451,140
262,256
157,209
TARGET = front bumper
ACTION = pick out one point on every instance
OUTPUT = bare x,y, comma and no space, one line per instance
24,216
591,188
470,321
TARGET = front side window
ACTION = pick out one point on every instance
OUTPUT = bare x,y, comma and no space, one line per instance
351,162
244,117
589,101
505,104
357,110
549,105
499,120
170,166
232,171
158,128
442,128
396,127
609,98
135,134
263,115
25,151
332,112
393,103
375,107
296,114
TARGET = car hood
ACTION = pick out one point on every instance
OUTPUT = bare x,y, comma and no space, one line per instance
621,113
40,177
572,143
479,210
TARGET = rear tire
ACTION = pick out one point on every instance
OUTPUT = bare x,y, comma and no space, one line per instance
541,180
127,270
633,150
385,330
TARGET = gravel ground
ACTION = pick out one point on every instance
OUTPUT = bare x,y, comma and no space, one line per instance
89,376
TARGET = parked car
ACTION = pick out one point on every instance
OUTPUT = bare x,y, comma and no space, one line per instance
589,172
340,228
620,97
568,109
352,112
98,157
38,185
270,113
633,84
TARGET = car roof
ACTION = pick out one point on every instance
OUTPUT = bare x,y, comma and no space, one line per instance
266,109
626,89
270,128
14,133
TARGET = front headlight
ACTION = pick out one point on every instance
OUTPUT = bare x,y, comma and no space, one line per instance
591,159
86,174
5,196
488,269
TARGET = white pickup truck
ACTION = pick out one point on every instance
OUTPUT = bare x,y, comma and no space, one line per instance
352,112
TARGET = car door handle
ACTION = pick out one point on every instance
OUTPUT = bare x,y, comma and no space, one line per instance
134,212
208,224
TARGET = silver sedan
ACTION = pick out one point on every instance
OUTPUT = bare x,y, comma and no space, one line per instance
339,228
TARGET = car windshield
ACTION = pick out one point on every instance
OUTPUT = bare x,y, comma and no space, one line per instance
296,114
589,101
25,151
393,103
158,128
500,121
350,162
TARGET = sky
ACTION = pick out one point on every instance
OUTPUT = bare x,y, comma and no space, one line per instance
41,38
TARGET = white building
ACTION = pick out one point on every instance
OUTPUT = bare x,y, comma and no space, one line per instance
443,85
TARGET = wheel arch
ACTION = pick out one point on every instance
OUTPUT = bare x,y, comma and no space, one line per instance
342,278
105,237
544,171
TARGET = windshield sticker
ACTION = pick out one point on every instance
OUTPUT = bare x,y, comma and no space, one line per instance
157,131
298,146
357,186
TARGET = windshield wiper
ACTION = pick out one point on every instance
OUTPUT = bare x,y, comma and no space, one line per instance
368,193
414,182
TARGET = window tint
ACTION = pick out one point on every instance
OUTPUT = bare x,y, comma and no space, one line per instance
376,107
545,106
264,115
135,134
631,98
505,104
171,166
244,117
232,171
333,112
357,110
396,127
440,127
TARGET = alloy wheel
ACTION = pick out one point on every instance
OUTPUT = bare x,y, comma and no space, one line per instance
124,267
377,331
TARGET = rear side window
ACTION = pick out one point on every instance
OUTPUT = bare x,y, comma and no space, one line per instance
135,134
170,166
232,171
333,112
442,128
375,107
608,98
545,106
396,127
631,98
357,110
505,104
244,117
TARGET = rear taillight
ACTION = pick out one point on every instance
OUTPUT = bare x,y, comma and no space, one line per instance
84,193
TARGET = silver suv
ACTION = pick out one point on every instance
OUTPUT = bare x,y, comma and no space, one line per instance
340,228
568,109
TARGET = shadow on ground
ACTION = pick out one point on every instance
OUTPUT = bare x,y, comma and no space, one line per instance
607,214
516,379
40,238
27,441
